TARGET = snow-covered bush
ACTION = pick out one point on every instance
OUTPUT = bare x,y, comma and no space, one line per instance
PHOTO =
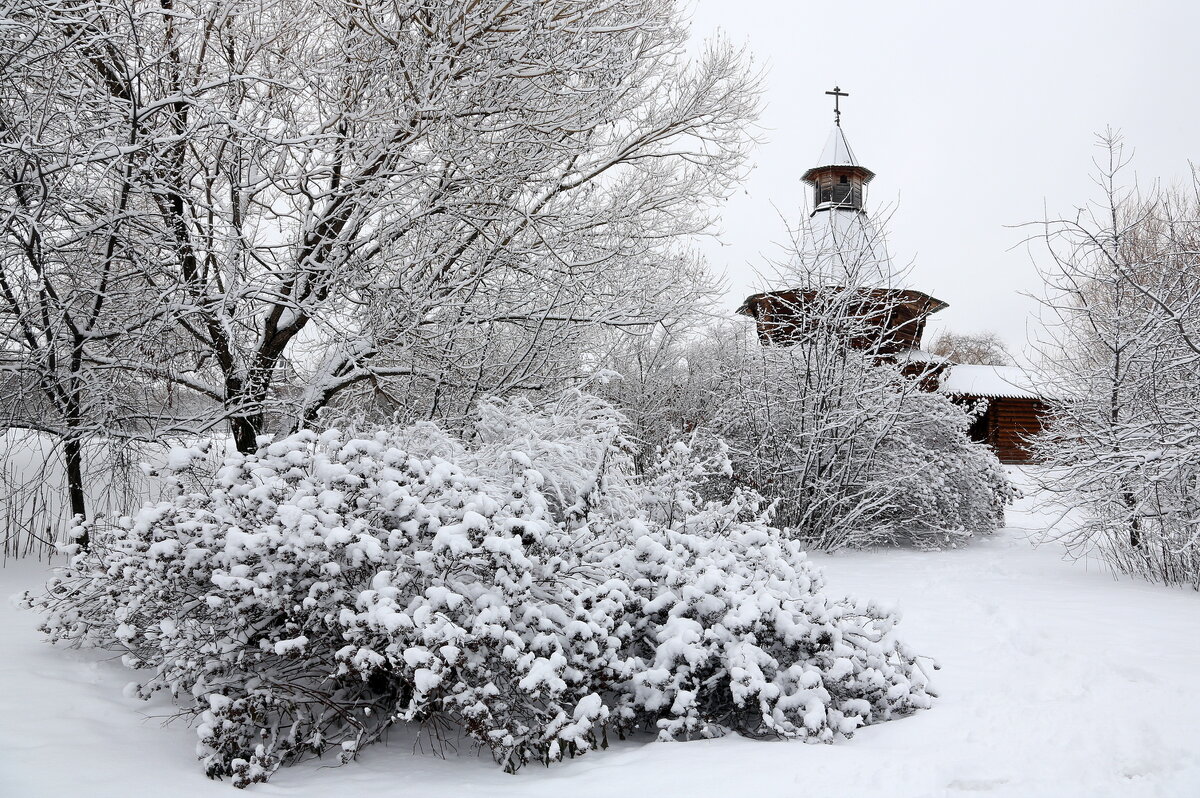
855,452
516,583
939,486
732,629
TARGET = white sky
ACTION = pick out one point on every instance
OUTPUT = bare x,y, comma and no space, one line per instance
973,117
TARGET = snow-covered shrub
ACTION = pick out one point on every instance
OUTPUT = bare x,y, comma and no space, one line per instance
939,486
732,630
855,452
517,583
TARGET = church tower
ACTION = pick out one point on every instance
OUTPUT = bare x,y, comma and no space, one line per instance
839,181
838,243
842,258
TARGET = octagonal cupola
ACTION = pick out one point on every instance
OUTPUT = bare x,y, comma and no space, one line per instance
839,180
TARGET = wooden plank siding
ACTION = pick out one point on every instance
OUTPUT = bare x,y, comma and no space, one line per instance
840,187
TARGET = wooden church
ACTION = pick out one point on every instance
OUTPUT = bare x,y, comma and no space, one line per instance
843,245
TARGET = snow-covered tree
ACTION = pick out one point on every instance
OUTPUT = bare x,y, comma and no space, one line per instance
66,288
227,219
827,419
407,205
855,452
1122,345
669,382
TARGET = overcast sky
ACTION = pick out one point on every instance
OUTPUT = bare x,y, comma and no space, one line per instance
973,117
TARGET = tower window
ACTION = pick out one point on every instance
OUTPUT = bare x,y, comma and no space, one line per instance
844,180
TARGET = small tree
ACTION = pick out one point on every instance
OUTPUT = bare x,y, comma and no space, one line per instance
851,449
1123,346
854,451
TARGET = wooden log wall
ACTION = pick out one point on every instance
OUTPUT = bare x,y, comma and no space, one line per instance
1010,423
829,187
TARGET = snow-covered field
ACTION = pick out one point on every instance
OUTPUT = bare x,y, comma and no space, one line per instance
1056,680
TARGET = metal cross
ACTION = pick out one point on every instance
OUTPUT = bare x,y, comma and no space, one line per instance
837,111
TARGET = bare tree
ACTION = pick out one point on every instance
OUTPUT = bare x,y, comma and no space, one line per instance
1123,342
823,420
65,288
851,446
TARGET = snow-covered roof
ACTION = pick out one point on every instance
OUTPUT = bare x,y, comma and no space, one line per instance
919,356
837,153
1010,382
837,150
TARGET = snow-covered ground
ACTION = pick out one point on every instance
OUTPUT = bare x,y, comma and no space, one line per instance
1056,680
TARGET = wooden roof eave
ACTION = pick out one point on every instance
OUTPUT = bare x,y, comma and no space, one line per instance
921,303
863,172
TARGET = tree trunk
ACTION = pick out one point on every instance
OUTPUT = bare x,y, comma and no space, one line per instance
245,431
1135,526
73,449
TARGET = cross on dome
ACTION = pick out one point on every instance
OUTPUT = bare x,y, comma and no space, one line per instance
838,94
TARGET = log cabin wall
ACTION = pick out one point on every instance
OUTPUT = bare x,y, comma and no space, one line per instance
839,187
1008,423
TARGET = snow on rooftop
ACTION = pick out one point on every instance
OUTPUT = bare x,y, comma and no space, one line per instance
919,356
837,150
837,153
1009,382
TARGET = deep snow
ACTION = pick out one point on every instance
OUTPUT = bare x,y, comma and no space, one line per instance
1055,680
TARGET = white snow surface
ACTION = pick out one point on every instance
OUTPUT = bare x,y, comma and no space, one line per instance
1010,382
1056,680
837,150
919,356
